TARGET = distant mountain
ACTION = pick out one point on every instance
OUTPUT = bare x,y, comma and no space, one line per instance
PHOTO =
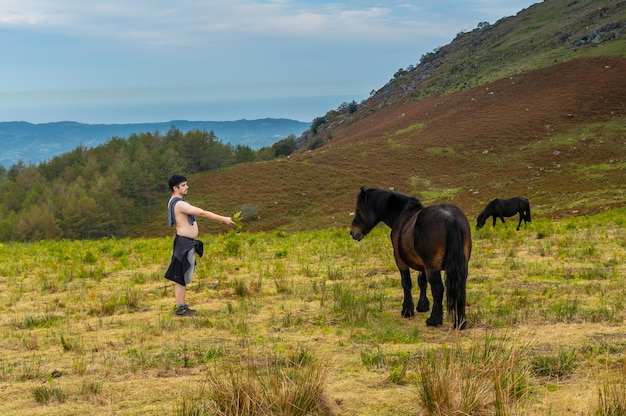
35,143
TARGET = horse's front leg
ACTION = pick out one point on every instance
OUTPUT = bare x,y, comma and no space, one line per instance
437,288
423,304
407,304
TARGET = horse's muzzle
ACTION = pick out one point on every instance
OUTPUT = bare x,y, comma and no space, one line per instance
357,235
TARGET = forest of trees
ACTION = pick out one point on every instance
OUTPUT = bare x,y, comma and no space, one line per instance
101,191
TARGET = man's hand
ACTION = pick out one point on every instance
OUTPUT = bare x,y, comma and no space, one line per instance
236,220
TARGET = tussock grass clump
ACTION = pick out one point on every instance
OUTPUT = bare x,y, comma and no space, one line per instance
483,379
373,358
278,386
44,394
37,321
90,389
611,399
70,343
556,365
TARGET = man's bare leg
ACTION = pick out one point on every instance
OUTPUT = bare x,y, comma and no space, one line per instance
179,294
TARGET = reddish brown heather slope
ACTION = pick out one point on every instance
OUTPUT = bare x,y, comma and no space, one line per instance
556,135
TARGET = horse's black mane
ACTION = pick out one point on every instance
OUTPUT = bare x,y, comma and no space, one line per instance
392,204
414,203
396,199
489,209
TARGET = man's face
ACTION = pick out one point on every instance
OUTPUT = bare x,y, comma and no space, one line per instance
183,188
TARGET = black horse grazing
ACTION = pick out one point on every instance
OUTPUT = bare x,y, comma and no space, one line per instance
500,208
427,239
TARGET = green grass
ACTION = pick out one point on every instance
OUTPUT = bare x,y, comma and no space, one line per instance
319,312
417,127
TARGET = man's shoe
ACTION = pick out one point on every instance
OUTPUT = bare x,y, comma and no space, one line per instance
183,310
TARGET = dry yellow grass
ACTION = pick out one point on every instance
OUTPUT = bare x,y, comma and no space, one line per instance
90,323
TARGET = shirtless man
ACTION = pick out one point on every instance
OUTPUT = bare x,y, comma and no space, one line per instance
183,215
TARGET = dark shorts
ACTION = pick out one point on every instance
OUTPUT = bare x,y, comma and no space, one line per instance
183,262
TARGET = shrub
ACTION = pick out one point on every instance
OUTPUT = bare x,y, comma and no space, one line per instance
249,212
317,142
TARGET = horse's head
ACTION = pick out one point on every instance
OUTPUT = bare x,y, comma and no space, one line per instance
480,221
365,217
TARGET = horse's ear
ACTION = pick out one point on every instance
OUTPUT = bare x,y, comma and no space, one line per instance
362,189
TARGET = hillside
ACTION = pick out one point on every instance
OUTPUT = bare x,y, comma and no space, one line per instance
549,32
35,143
555,134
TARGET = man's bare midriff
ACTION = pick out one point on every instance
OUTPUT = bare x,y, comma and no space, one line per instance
183,228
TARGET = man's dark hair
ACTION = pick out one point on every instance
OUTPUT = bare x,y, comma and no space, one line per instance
176,180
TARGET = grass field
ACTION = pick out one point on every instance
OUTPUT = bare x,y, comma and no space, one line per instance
309,323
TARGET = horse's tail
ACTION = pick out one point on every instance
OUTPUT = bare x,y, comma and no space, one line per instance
455,265
527,211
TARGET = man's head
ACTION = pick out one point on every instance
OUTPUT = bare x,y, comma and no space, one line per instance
176,180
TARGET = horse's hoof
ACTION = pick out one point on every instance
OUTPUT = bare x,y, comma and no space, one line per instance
423,307
434,322
407,313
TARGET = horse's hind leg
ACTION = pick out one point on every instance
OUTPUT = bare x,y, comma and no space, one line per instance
423,304
520,220
407,305
436,286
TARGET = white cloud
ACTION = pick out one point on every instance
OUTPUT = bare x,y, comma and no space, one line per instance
62,50
164,21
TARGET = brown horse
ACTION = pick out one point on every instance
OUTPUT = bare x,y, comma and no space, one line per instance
426,239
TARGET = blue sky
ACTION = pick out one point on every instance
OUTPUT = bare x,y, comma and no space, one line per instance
136,61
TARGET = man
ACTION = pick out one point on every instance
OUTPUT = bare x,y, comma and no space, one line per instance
183,215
